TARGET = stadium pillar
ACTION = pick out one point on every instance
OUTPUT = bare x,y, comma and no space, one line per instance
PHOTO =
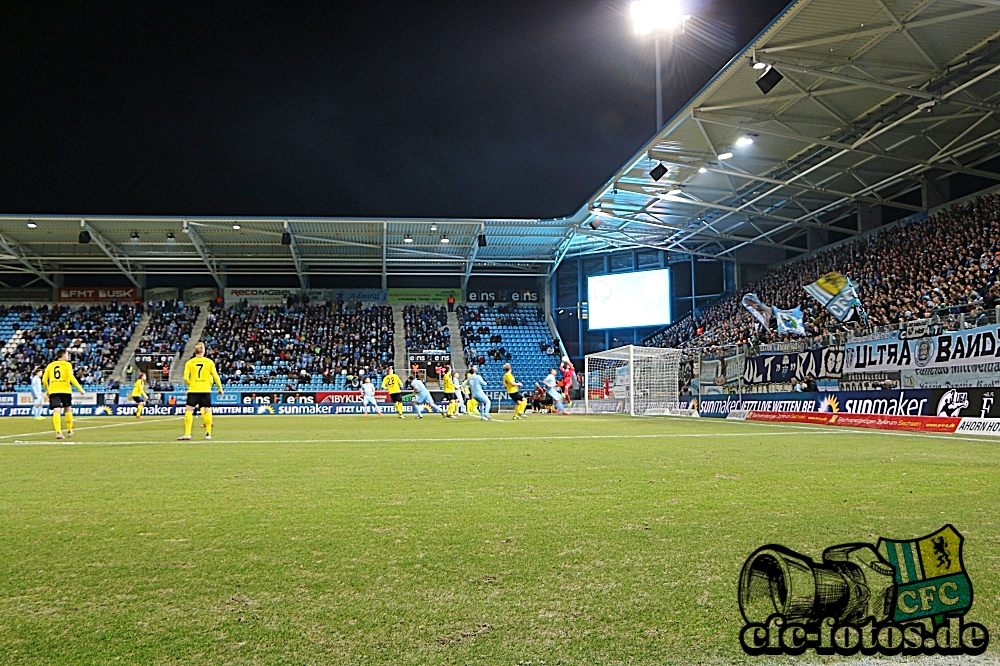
659,84
934,192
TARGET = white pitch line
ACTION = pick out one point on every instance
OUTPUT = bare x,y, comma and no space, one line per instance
399,439
106,425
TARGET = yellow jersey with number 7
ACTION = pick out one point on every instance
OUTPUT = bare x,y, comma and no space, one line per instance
200,374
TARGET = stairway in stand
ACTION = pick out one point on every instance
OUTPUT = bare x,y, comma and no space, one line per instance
399,341
177,370
133,344
457,351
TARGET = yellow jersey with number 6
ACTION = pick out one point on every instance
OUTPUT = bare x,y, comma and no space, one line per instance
200,374
58,378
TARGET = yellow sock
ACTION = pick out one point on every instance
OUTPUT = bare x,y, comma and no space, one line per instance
519,409
452,407
139,408
206,416
471,405
399,408
188,420
69,420
56,421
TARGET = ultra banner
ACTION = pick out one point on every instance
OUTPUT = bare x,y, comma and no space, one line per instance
785,368
975,350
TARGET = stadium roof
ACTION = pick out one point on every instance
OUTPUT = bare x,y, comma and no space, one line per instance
876,96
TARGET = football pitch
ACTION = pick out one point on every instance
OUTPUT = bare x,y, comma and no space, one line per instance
352,540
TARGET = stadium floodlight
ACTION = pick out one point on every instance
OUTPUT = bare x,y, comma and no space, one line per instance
702,170
744,141
760,65
134,235
408,239
170,236
725,156
236,226
657,15
31,225
445,239
434,227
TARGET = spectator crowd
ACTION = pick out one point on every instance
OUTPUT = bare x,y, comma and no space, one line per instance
946,263
95,336
299,343
170,325
426,328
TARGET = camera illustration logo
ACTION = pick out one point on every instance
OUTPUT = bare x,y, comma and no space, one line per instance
897,597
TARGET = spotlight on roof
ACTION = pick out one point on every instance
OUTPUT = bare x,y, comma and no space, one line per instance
760,65
170,236
31,225
744,141
434,227
658,172
702,170
769,79
236,226
596,223
134,235
408,239
725,156
445,239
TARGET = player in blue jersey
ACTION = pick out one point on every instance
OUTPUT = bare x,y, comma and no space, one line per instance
477,386
551,387
421,396
37,395
368,389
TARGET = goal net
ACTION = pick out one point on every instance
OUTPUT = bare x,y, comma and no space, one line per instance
632,380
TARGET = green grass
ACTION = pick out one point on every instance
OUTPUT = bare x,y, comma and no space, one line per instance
349,540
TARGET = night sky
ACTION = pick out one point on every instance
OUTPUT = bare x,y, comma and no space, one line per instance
471,109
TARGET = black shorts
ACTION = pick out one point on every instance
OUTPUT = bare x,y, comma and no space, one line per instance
396,397
515,396
138,398
202,400
57,400
450,396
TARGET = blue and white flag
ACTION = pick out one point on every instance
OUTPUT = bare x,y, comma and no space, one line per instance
757,310
790,321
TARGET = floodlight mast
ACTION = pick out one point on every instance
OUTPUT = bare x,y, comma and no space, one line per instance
658,17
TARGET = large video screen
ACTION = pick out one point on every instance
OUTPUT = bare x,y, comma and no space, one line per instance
629,300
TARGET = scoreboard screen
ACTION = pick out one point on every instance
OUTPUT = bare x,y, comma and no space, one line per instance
629,300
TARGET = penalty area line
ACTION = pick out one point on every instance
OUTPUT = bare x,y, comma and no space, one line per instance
96,427
397,439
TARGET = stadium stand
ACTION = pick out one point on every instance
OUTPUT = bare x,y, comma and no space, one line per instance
300,347
946,263
494,335
169,327
95,336
426,328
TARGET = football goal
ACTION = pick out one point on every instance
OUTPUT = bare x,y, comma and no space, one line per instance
632,380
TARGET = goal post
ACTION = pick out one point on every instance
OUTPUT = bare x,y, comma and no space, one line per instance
632,380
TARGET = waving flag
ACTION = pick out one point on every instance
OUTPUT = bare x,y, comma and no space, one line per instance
790,321
757,310
836,293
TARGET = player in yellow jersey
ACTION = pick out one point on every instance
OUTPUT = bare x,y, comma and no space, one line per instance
199,375
394,385
139,395
514,392
450,394
58,380
471,404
